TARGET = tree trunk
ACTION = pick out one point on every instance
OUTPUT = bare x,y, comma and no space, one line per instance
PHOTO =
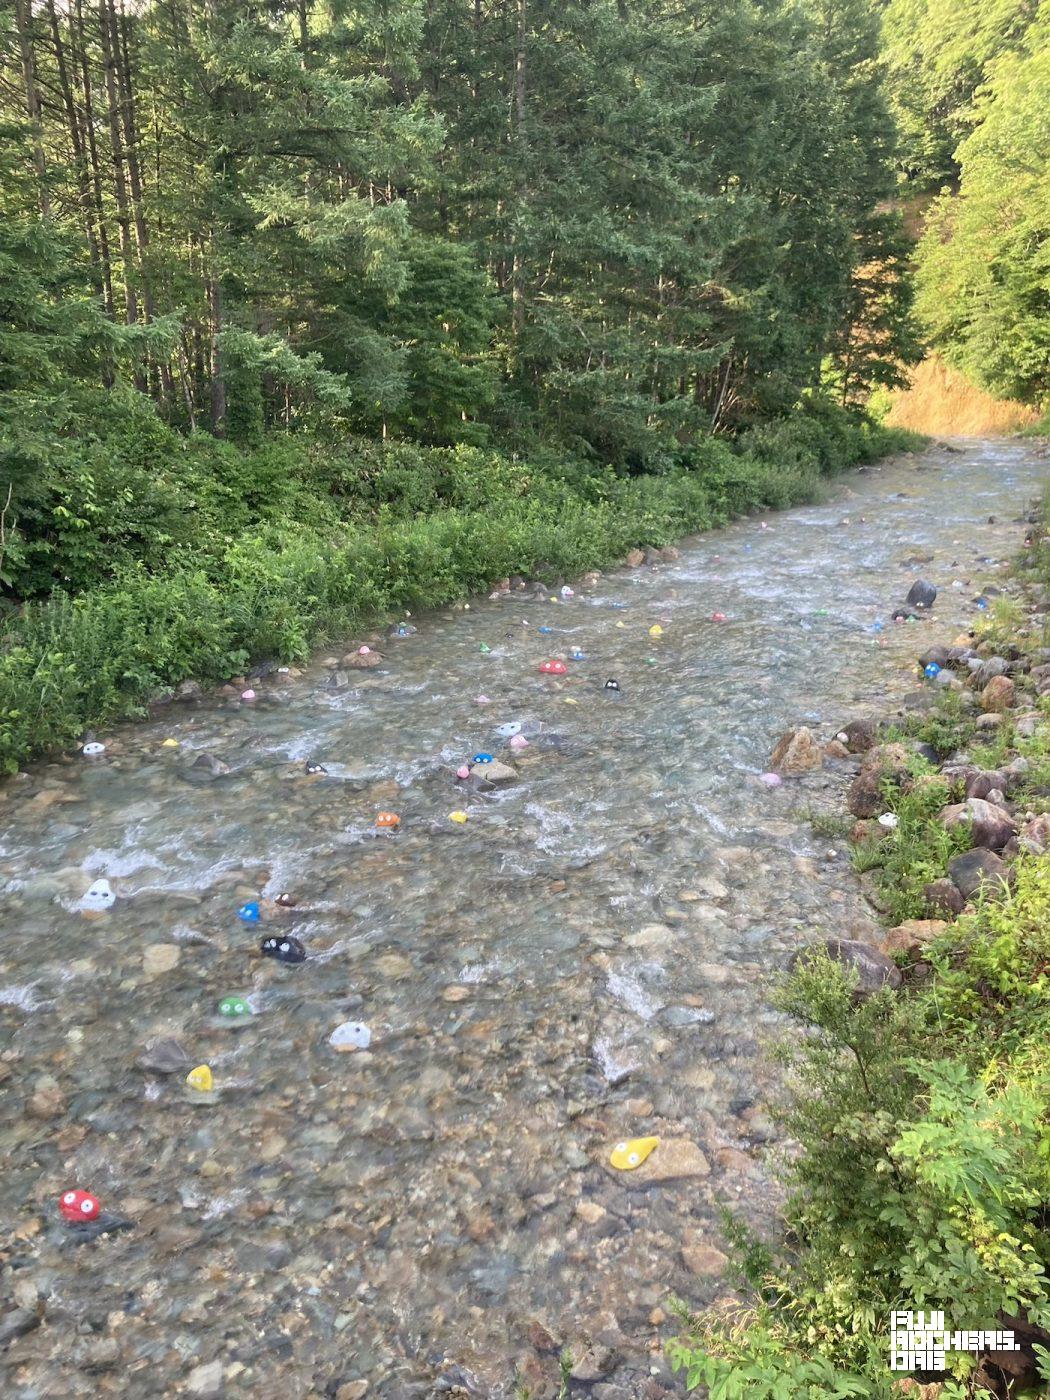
91,148
76,140
24,23
218,375
517,292
120,187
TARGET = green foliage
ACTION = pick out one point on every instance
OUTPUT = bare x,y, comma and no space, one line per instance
984,279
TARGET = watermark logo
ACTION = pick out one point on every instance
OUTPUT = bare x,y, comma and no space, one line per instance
920,1340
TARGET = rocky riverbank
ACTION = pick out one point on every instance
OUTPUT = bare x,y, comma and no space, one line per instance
927,1046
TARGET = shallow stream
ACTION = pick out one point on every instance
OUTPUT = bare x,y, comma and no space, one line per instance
585,959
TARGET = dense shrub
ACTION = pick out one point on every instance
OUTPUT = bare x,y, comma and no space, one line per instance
181,557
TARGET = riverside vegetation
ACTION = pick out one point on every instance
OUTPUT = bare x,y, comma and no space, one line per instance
923,1170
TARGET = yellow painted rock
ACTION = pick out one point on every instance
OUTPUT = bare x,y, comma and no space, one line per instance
632,1153
170,744
656,630
458,817
200,1078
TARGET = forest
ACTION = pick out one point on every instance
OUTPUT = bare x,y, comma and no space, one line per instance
444,291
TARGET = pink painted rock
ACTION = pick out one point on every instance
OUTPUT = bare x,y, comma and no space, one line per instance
248,695
519,742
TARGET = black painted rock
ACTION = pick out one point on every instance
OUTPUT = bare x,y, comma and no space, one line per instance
921,594
284,949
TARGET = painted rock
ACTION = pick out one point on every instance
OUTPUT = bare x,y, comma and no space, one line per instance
719,617
482,700
249,913
78,1206
93,749
99,897
553,668
507,731
771,779
248,695
656,630
286,950
388,821
315,770
889,820
566,592
351,1035
482,758
463,771
458,817
546,631
931,670
577,655
170,744
234,1006
200,1079
632,1153
287,901
612,685
484,649
519,742
364,651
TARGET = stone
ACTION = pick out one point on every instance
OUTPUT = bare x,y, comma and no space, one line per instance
189,690
874,969
912,935
635,558
836,749
796,752
494,772
595,1362
206,1380
991,720
47,1100
17,1323
158,958
887,763
352,1390
362,661
921,594
989,825
676,1159
1034,837
393,966
704,1260
861,735
972,869
590,1212
998,695
164,1056
943,897
669,554
982,783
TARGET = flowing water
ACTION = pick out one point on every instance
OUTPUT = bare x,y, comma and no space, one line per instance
585,959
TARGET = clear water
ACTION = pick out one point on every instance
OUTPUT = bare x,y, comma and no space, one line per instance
586,959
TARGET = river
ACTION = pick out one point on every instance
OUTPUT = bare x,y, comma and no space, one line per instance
585,959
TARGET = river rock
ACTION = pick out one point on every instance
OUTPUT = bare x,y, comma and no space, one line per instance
934,656
205,768
874,969
943,897
886,763
985,781
921,594
189,690
998,695
676,1159
1035,835
990,826
972,869
989,721
704,1260
861,734
206,1380
362,661
164,1056
913,934
494,772
796,752
635,558
988,669
158,958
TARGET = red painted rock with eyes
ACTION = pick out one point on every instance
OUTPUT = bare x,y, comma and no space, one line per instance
554,668
78,1206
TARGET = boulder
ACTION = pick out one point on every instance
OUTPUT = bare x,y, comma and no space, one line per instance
836,749
873,968
992,720
885,763
796,752
1034,836
987,670
981,783
358,661
913,935
990,826
943,897
669,554
998,695
972,869
861,734
189,690
934,656
921,594
635,558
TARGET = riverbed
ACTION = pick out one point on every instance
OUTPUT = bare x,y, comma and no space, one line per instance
586,958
